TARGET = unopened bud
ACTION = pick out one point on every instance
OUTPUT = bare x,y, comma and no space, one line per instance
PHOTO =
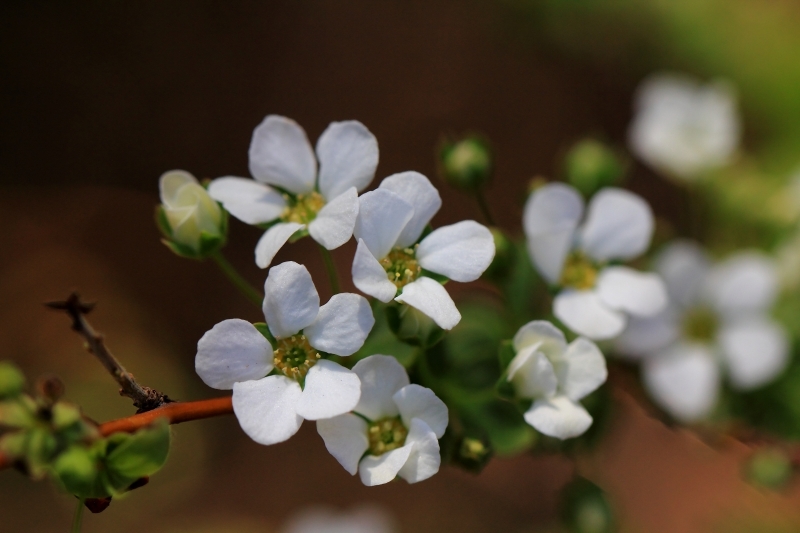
590,165
466,164
770,468
585,508
50,388
12,381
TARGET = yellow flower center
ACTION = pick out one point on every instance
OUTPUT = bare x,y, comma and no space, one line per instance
579,272
294,356
401,266
386,434
302,208
700,324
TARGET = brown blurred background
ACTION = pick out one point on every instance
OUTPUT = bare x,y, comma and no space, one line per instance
99,98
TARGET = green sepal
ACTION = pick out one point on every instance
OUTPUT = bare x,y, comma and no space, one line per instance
506,353
209,244
299,234
412,326
585,508
79,471
13,445
64,415
263,328
180,249
18,413
162,222
131,457
434,276
40,448
12,381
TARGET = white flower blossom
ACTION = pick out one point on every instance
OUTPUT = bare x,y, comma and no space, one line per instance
555,376
684,128
274,389
389,260
290,193
189,210
595,298
394,429
322,519
717,321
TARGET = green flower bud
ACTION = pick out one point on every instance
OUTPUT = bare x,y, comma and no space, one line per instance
590,165
466,164
412,326
12,381
193,223
769,468
585,508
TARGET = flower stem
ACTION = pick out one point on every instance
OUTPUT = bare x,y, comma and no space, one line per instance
331,268
233,275
77,520
175,413
484,207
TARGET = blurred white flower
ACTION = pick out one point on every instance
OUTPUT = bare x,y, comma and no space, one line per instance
394,429
189,210
362,519
289,192
389,261
595,298
271,407
556,376
717,321
682,127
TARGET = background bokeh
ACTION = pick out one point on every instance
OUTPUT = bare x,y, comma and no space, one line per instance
99,98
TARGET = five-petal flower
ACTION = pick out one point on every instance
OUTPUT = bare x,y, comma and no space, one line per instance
274,389
595,298
394,429
289,192
556,376
390,264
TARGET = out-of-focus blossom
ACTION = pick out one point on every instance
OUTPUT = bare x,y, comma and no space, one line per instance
362,519
717,322
394,429
191,218
682,127
595,298
290,193
555,376
270,406
391,264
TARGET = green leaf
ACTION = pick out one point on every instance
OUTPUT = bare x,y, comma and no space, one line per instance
131,457
17,413
41,446
65,414
78,470
12,381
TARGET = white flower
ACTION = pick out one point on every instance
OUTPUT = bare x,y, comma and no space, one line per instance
388,259
595,299
684,128
555,375
324,202
189,210
362,519
271,406
394,429
717,320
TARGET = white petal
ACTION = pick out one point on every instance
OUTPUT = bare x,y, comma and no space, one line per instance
746,282
291,301
273,240
335,221
170,183
461,251
345,438
381,377
548,338
425,458
417,402
281,155
248,200
585,313
582,370
432,299
684,380
646,335
342,325
266,408
378,470
330,390
382,215
418,191
756,351
369,276
683,265
558,417
532,374
551,216
626,289
618,225
232,351
348,156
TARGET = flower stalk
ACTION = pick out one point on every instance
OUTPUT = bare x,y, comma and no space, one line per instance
238,281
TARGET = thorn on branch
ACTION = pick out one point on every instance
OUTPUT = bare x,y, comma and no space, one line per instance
144,398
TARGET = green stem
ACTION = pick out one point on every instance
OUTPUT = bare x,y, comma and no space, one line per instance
233,275
331,268
77,520
484,207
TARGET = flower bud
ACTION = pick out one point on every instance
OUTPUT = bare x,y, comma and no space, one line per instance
11,380
590,165
466,164
769,468
192,222
585,508
412,326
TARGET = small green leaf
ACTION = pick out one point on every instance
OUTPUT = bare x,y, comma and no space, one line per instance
14,444
77,469
180,249
131,457
40,448
12,381
17,413
65,414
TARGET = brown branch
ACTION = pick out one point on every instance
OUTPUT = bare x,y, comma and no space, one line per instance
144,398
